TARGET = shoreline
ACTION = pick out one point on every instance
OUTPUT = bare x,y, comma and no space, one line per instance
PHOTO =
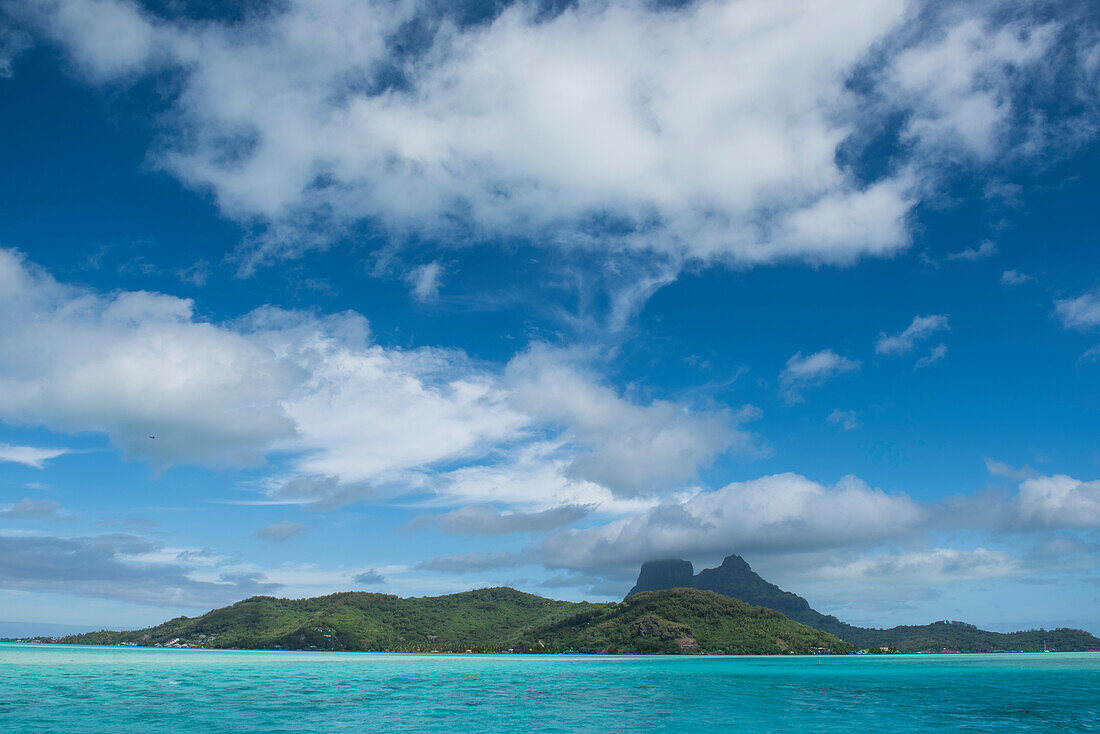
552,654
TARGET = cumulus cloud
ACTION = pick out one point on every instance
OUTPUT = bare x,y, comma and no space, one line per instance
107,566
368,414
27,507
131,365
282,531
620,124
627,447
958,84
140,364
804,529
1059,501
524,124
488,520
782,513
29,455
802,372
1082,312
351,418
533,477
920,329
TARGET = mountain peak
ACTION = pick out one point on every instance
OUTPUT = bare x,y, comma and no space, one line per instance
735,561
668,573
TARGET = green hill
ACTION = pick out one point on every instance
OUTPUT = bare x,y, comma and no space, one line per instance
486,620
734,578
682,620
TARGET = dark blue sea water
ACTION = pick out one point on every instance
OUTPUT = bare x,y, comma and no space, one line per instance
59,688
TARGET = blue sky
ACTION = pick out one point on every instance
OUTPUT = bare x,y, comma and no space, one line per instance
314,296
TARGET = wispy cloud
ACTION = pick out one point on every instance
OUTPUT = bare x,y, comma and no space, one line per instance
29,455
802,372
986,249
425,281
1082,312
31,508
117,567
935,354
846,419
1014,277
920,329
470,562
487,520
282,531
1007,471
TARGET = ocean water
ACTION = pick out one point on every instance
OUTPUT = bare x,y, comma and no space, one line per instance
61,688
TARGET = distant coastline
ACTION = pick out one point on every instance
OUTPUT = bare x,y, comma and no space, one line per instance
728,610
498,620
735,578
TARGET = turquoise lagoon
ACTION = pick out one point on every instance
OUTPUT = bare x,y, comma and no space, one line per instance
70,689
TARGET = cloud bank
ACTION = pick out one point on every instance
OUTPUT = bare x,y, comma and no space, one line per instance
354,417
712,131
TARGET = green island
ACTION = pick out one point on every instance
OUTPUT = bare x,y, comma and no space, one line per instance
671,610
487,620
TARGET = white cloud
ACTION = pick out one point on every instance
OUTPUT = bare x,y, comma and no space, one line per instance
1001,469
931,568
708,131
133,365
425,281
1059,501
846,419
1082,312
812,370
627,447
369,414
534,477
957,85
107,39
352,418
920,329
1014,277
774,514
935,354
29,455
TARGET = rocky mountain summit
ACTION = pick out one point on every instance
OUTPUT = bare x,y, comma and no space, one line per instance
736,578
